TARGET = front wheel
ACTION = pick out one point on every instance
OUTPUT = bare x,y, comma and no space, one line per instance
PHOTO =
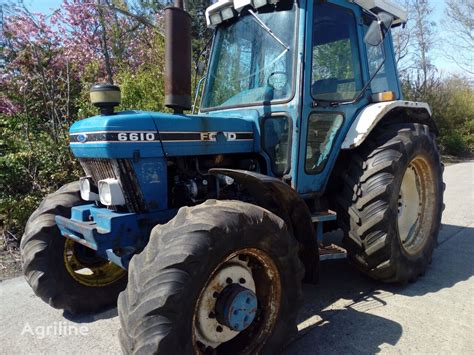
63,273
392,202
221,277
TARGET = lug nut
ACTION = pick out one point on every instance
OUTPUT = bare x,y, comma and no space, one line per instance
242,280
219,329
228,280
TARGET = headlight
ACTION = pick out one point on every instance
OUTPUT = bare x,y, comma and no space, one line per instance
88,189
111,193
259,3
227,13
215,19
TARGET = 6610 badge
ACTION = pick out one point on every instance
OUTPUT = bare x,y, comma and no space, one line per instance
137,136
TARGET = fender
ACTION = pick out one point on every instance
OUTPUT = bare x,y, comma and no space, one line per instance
279,198
390,112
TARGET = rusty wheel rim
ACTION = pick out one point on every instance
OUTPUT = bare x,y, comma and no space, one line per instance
91,274
267,286
416,205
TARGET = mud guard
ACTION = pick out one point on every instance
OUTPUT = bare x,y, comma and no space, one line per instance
389,112
280,199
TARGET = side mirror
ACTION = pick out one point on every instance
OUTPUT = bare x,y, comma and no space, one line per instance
378,29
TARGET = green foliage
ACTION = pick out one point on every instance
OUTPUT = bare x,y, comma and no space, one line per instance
31,166
142,90
143,87
43,92
454,143
452,105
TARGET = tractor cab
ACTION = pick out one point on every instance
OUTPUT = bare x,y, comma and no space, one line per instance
306,69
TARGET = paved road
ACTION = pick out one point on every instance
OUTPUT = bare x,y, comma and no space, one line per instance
344,314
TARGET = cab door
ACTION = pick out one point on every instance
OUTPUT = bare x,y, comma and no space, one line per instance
334,75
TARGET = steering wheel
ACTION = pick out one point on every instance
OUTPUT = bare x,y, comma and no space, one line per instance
277,84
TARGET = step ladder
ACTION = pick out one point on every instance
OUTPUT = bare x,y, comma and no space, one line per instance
327,252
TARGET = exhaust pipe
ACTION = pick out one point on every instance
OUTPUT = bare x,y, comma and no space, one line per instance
177,57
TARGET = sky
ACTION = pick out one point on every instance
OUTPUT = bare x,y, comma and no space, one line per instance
440,61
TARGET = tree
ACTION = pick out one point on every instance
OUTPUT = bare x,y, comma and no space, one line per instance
459,23
423,44
48,64
402,39
414,46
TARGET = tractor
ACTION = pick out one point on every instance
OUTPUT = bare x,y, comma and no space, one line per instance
202,227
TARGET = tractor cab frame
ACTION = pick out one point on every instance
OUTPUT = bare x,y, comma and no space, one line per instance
278,62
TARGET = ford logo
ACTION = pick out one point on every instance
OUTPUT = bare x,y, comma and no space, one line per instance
81,138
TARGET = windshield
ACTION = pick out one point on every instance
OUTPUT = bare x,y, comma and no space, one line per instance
252,60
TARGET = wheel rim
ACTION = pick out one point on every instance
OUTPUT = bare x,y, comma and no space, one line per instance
416,205
244,274
89,270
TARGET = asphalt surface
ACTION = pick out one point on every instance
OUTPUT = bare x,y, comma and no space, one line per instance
344,314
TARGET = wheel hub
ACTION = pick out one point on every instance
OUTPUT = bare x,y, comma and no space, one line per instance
212,326
232,310
236,307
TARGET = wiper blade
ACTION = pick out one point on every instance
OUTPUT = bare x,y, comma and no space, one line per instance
268,29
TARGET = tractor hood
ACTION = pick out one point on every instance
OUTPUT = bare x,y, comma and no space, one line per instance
149,134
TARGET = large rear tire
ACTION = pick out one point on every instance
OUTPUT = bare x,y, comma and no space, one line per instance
172,304
392,201
63,273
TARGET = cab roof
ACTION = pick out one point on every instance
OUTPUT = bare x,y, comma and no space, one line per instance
223,10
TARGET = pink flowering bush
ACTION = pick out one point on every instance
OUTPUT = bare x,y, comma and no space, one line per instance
48,65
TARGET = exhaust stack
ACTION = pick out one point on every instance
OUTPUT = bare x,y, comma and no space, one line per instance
177,57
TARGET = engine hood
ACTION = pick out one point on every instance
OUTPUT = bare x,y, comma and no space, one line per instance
150,134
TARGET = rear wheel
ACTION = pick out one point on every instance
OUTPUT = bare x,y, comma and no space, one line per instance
221,277
392,201
63,273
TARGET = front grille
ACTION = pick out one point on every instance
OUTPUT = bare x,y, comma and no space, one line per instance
122,170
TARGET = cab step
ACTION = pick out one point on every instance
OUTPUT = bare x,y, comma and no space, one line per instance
324,216
331,252
319,218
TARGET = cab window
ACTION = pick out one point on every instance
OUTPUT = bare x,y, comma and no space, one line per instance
276,143
322,132
336,73
386,79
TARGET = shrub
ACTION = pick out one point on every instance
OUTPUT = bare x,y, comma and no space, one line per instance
454,143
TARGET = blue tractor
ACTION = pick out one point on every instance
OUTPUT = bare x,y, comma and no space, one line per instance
202,227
